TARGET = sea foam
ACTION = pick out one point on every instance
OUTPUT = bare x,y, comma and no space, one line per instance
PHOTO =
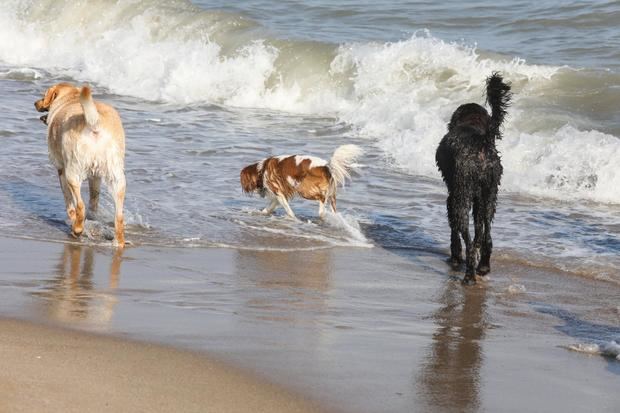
607,349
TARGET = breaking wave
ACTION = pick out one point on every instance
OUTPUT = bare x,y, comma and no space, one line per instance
399,95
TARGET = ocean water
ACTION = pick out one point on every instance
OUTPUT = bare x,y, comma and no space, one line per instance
207,87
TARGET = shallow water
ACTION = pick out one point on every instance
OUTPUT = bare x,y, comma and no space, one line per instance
205,89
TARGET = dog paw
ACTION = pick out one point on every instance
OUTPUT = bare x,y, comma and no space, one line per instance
92,214
483,270
119,245
470,276
77,229
455,262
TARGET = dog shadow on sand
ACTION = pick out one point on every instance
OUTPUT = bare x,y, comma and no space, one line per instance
39,202
35,200
410,241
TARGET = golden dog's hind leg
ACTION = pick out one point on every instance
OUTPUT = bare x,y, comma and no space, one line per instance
74,187
67,195
94,187
118,189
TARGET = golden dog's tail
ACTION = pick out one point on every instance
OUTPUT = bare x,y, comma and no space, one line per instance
90,110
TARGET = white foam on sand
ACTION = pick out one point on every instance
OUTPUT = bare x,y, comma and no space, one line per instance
607,349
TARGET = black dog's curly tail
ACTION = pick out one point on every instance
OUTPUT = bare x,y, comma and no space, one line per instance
498,97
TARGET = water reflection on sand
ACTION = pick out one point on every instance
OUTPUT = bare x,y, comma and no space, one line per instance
290,287
72,295
450,377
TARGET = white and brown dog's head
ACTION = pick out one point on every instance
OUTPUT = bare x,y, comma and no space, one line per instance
252,178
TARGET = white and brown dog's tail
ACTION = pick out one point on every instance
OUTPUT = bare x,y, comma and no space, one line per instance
90,110
340,166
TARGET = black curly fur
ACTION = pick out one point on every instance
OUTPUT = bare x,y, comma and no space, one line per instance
472,170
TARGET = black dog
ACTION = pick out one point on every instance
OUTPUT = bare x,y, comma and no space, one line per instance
471,168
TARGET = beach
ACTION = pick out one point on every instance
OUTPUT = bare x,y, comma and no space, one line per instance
213,305
308,323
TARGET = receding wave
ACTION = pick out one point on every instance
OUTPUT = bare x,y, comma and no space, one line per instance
398,95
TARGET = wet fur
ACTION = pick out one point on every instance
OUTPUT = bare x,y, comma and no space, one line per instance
471,168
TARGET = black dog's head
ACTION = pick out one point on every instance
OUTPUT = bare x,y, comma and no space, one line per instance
470,116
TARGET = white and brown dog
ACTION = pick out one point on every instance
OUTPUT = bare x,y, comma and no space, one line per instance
281,178
86,140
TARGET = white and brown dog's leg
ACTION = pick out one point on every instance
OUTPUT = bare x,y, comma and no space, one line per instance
282,200
118,191
94,188
77,227
273,204
321,209
332,203
67,195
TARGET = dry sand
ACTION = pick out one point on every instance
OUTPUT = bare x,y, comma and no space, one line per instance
54,370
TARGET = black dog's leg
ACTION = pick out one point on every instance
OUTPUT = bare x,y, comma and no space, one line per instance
469,279
456,258
455,240
469,248
479,217
484,267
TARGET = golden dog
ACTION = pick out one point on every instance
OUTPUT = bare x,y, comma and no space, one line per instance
86,140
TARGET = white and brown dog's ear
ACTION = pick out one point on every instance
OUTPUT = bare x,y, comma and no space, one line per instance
249,178
43,105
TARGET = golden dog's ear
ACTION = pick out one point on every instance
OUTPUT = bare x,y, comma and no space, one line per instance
43,105
50,95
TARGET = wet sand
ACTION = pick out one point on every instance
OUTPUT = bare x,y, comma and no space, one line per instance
354,329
